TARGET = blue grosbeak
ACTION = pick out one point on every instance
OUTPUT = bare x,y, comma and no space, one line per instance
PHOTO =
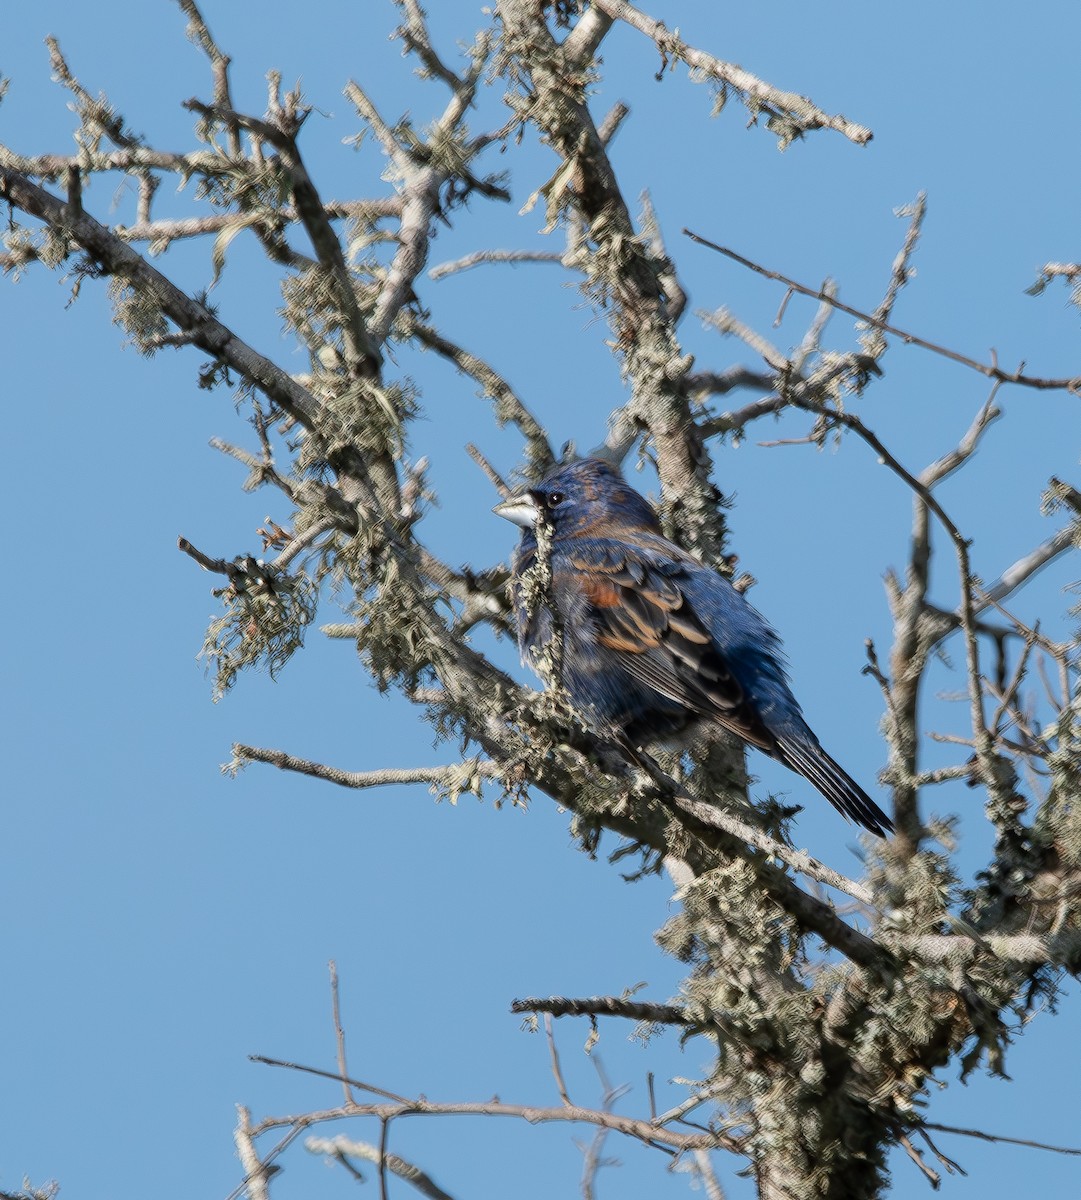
653,642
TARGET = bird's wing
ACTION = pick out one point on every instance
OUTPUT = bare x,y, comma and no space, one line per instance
642,612
641,605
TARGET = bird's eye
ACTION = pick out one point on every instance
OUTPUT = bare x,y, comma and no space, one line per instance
555,499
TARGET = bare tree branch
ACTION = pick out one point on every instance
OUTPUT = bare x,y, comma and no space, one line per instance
343,1148
632,1127
557,1070
509,405
449,777
998,1137
938,471
992,370
482,257
758,95
189,315
256,1172
610,1006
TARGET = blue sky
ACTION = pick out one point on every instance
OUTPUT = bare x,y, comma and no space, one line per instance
161,921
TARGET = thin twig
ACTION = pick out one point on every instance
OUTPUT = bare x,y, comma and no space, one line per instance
199,33
680,1110
481,258
944,467
992,371
802,112
725,322
953,1167
591,1158
508,405
164,231
441,776
900,273
339,1032
933,1177
812,339
557,1070
384,1134
796,860
416,38
639,1129
349,1081
1022,570
341,1148
999,1137
494,478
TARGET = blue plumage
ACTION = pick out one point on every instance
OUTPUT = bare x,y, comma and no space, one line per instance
654,642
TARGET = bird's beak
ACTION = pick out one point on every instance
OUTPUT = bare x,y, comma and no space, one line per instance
520,509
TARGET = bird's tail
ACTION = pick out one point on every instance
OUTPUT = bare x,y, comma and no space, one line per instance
833,781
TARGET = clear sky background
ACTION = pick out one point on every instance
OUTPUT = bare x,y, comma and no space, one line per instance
160,921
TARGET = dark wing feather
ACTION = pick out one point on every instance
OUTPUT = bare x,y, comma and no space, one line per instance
834,782
643,615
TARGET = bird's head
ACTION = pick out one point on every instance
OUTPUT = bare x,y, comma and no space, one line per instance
583,498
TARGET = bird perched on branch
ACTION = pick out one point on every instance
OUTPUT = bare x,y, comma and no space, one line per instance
649,642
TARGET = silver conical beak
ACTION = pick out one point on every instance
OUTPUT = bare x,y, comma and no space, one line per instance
520,509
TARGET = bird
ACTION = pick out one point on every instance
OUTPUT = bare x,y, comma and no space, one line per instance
654,644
